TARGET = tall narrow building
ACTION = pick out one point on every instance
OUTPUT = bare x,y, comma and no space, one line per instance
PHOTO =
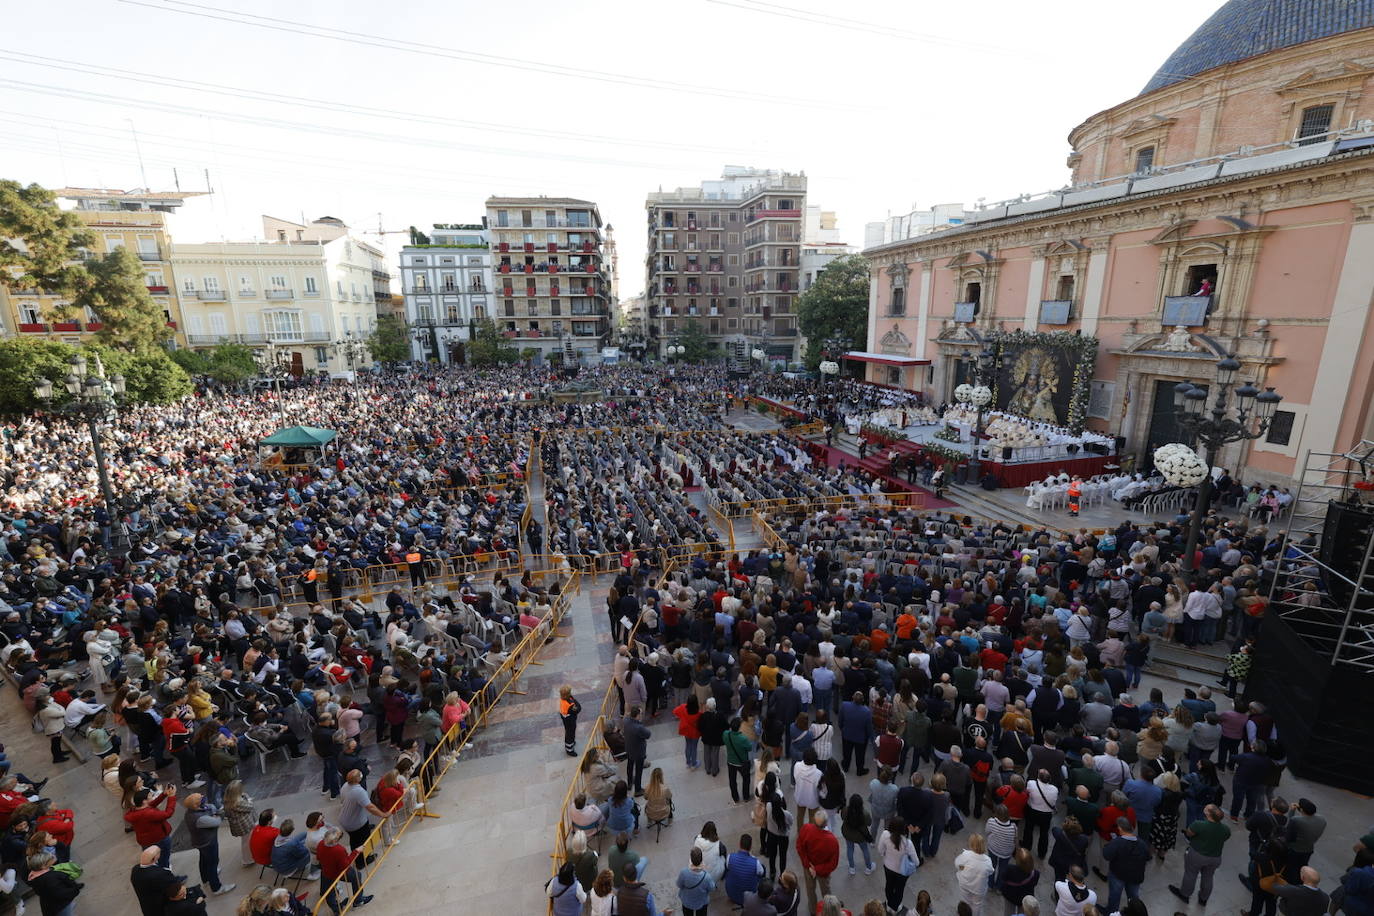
726,255
553,288
447,284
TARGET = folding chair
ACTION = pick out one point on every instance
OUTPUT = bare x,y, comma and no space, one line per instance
262,751
657,825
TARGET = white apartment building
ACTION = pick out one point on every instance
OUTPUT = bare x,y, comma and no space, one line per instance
446,279
307,292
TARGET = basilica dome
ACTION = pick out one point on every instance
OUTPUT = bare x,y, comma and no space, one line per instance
1245,28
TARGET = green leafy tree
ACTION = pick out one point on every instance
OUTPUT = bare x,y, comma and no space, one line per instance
389,342
39,243
195,362
130,318
695,342
41,248
23,362
837,303
152,378
230,364
489,348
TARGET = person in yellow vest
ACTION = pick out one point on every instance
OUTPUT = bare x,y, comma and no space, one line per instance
1075,493
568,708
415,560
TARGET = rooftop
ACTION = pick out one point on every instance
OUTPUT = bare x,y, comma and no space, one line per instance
113,193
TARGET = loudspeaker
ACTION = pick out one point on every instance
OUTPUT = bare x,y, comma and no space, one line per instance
1345,533
1006,453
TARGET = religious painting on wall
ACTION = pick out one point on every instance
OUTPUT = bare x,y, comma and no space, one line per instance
1045,377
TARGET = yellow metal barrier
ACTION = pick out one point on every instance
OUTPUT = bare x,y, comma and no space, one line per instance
451,745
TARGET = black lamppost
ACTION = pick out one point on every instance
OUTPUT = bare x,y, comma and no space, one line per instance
1254,409
93,399
271,363
979,395
833,349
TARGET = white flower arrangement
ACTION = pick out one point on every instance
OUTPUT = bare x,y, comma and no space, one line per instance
963,393
980,395
1180,465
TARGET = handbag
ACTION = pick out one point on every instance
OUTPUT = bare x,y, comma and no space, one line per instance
907,866
1267,883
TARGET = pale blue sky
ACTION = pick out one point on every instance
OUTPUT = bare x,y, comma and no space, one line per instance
883,104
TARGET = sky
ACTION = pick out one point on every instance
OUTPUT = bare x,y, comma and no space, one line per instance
393,115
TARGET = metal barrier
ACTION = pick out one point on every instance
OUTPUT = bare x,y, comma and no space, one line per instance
438,763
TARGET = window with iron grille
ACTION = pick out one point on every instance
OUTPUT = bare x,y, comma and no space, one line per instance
1281,427
1316,121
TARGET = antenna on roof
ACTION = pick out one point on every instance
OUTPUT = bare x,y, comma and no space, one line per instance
176,179
143,173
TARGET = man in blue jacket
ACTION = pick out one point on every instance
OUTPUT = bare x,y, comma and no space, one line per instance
856,731
742,871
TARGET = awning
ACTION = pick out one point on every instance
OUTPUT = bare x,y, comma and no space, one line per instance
885,359
300,437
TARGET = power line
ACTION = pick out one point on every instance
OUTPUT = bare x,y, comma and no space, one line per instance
71,66
257,121
395,44
857,25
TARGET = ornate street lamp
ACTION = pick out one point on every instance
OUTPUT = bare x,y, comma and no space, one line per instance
1212,430
93,398
272,363
978,396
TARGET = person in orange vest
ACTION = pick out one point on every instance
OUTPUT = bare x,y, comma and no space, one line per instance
415,561
568,708
1075,492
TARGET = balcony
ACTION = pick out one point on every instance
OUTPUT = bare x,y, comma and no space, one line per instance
158,290
773,214
280,294
315,294
1188,311
210,295
964,312
94,326
208,340
714,269
150,256
66,327
504,268
247,294
1056,311
503,246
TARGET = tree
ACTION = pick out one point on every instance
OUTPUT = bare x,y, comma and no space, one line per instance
39,243
695,342
195,362
41,248
389,342
837,303
115,289
149,378
230,364
23,362
489,348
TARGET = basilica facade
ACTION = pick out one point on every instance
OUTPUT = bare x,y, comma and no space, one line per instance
1226,209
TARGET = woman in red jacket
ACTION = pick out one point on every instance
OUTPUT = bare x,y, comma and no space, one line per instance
153,825
689,727
336,863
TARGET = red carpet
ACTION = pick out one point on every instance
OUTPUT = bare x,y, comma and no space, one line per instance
877,465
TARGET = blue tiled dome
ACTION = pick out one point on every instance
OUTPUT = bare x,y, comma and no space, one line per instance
1245,28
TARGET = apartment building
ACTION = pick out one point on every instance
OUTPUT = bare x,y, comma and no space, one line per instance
305,294
136,220
446,281
552,277
726,254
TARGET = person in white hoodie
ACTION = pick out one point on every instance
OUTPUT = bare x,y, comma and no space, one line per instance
806,781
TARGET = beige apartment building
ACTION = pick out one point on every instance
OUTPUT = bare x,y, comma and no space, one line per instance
136,220
306,294
727,255
552,278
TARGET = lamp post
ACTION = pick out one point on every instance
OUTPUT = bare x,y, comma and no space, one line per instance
978,396
833,349
93,398
1215,428
675,351
271,362
759,356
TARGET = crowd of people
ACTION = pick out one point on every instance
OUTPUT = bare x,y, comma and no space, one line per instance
992,676
353,610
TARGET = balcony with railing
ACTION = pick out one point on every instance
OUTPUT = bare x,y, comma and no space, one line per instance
210,295
278,293
150,255
157,290
1188,311
66,327
773,214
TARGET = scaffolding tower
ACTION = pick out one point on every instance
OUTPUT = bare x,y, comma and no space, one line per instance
1330,609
